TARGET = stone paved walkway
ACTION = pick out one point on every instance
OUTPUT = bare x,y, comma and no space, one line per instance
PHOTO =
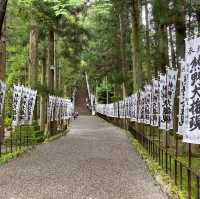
94,161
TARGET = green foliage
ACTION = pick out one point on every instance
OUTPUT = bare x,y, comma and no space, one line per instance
157,171
102,92
9,156
7,121
103,54
26,135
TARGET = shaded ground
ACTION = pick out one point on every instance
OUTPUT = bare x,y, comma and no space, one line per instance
94,161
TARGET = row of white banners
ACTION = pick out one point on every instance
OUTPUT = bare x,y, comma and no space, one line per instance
59,109
154,105
23,105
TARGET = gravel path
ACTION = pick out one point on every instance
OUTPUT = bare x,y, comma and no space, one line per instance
94,161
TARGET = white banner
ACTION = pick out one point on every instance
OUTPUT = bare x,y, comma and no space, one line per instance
135,107
49,111
163,101
17,94
183,99
2,97
193,60
171,90
147,104
155,104
141,107
31,105
24,105
57,108
130,102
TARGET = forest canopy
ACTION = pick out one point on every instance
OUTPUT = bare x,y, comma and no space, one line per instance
124,43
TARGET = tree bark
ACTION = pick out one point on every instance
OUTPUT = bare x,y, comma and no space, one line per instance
164,58
56,64
3,52
198,17
123,53
180,26
2,72
148,41
33,57
52,125
43,97
137,69
3,6
51,54
173,53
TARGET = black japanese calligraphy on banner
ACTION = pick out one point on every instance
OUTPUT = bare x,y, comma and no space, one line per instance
155,104
68,109
193,61
183,99
2,98
31,105
17,94
141,107
49,108
171,90
135,107
147,104
57,108
61,110
24,105
128,107
163,101
131,107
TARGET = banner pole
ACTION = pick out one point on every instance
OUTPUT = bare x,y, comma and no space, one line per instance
166,137
189,171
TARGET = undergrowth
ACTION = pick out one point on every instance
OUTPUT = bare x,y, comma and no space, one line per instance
156,170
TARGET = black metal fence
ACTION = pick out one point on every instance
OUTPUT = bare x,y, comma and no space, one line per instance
16,140
182,175
25,136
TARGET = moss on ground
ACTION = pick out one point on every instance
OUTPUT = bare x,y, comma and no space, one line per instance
10,156
158,173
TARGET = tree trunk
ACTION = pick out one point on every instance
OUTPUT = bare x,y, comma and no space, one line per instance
52,126
2,71
164,58
198,17
137,69
33,59
56,64
43,97
51,69
149,72
123,53
180,27
180,30
3,5
173,53
3,53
